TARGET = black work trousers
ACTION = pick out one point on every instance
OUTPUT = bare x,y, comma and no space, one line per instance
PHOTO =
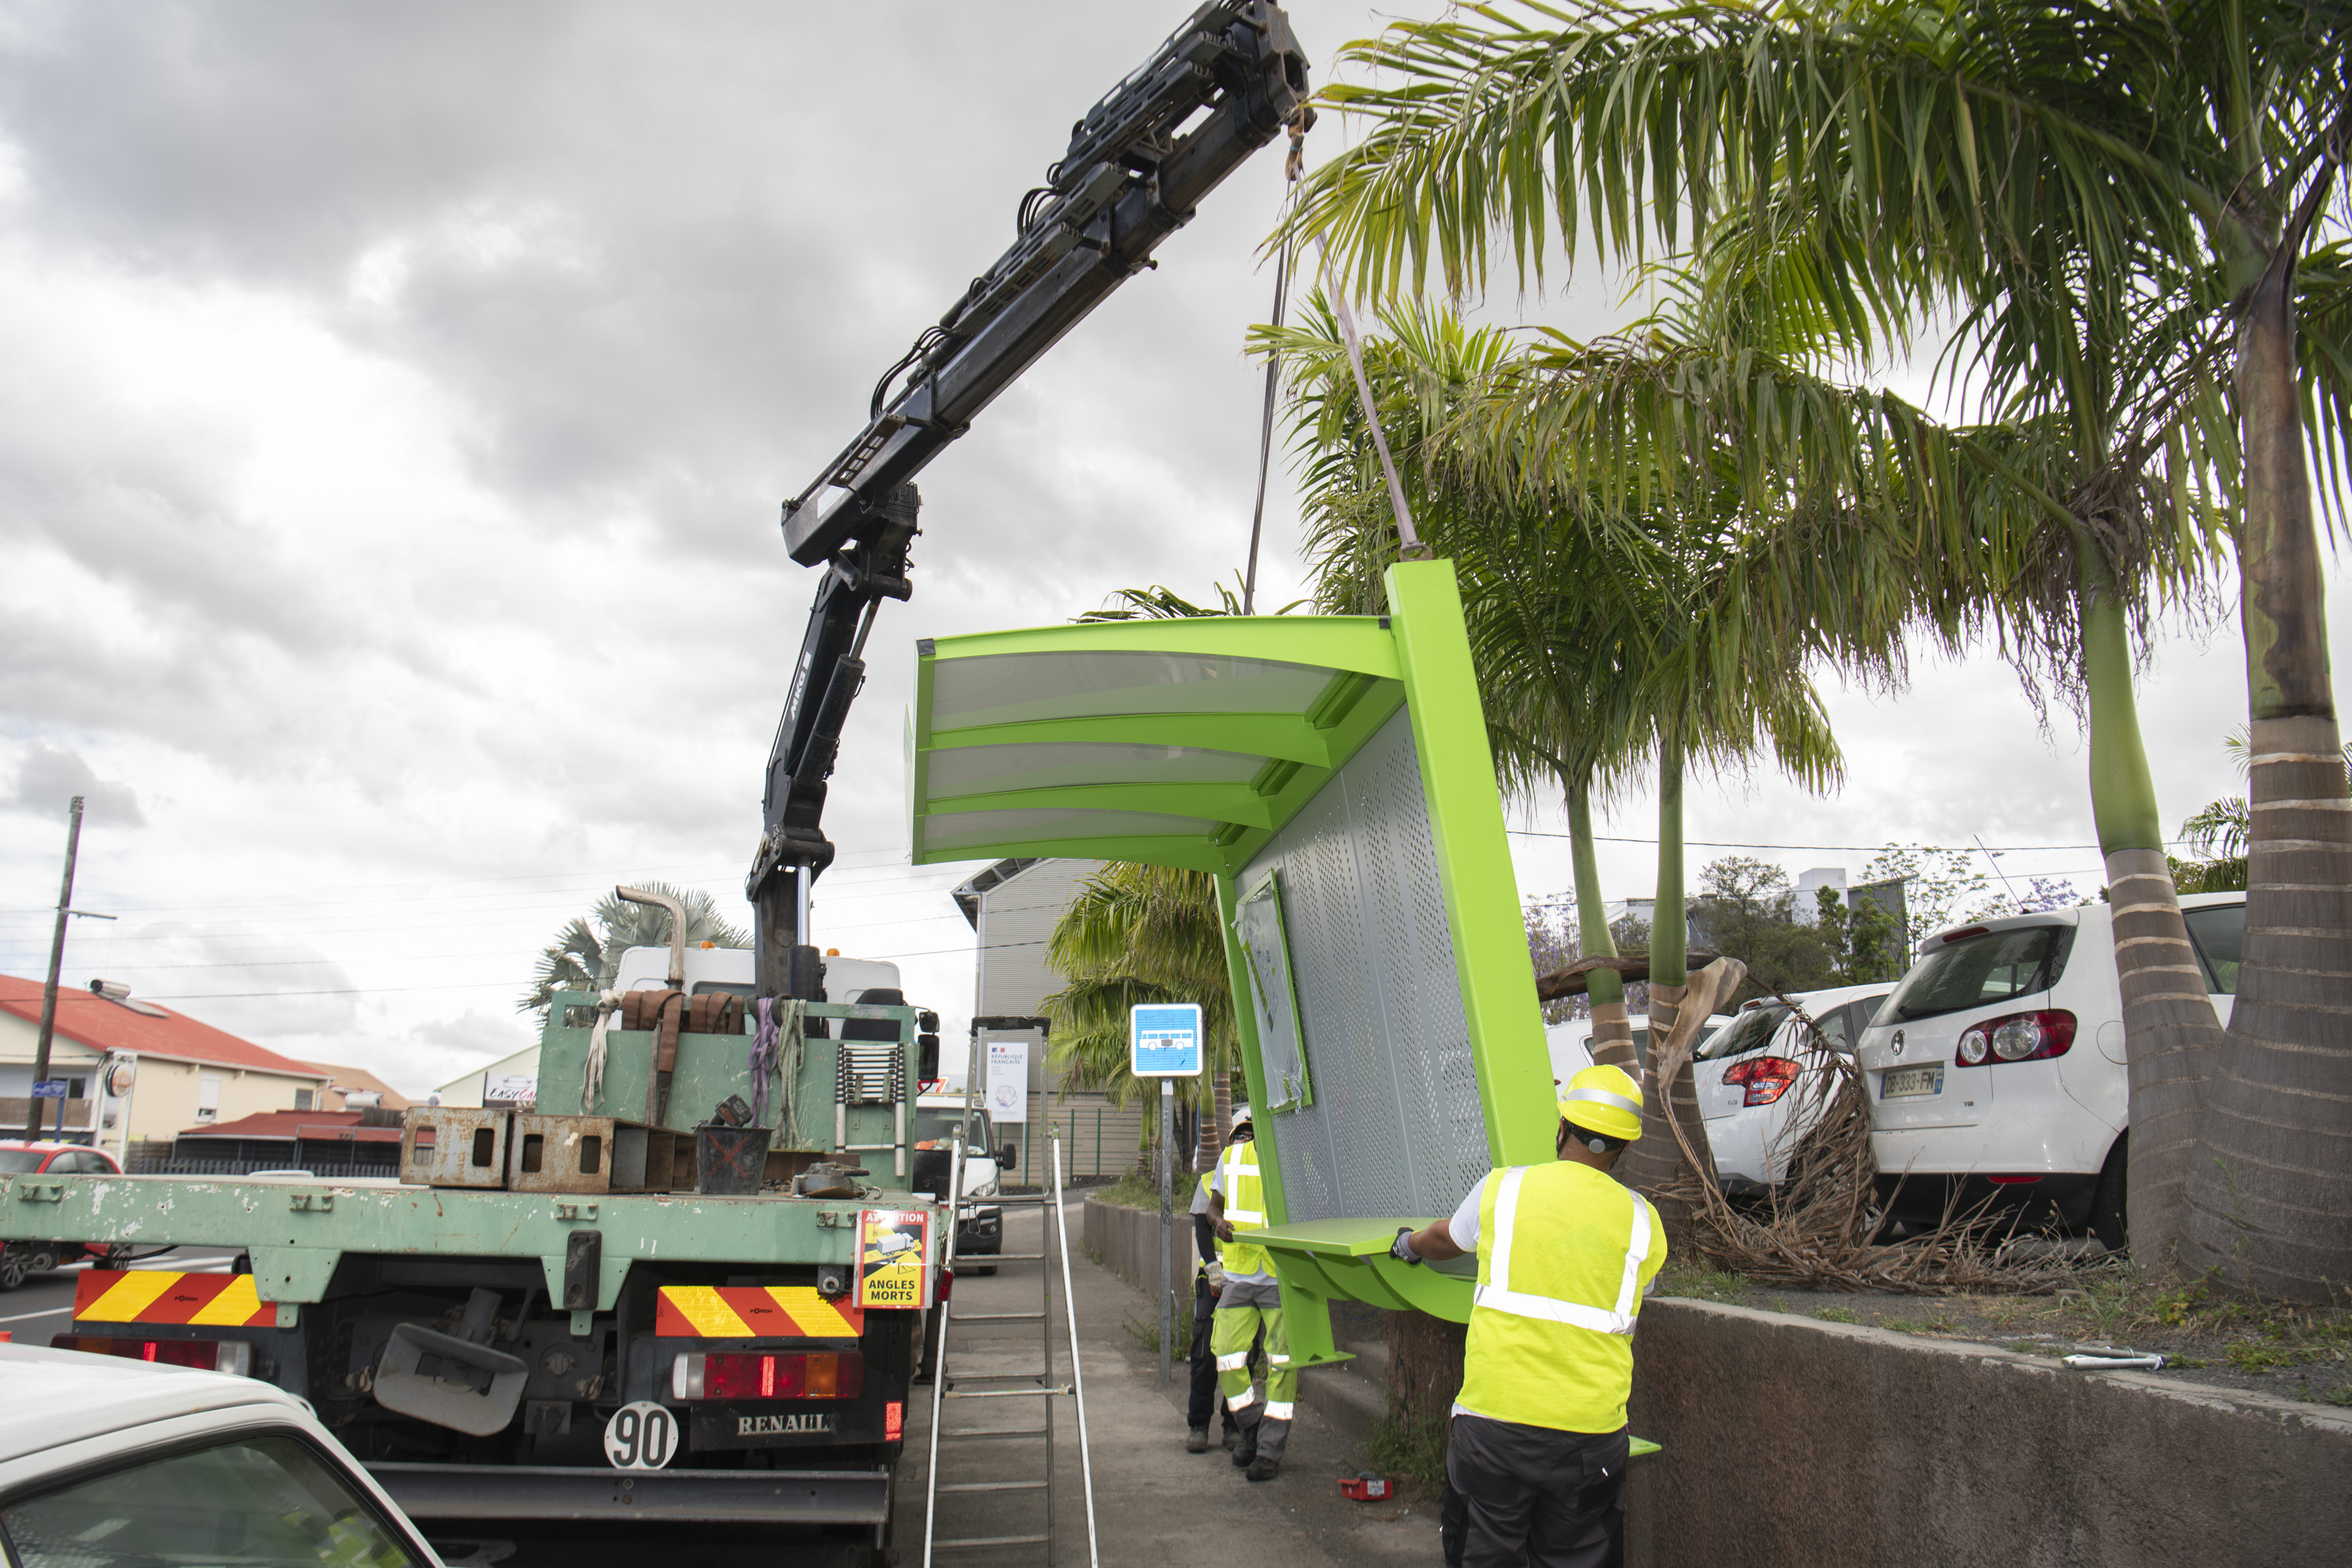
1207,1400
1538,1496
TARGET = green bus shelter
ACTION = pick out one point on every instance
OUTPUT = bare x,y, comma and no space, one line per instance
1332,773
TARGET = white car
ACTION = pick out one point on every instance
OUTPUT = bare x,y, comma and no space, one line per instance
115,1462
1761,1078
1996,1070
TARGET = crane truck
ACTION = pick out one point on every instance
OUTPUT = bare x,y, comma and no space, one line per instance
687,1286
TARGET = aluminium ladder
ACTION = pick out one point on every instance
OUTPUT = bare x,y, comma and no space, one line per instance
948,1383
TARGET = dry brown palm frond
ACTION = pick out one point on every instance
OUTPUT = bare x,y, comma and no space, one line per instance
1817,1230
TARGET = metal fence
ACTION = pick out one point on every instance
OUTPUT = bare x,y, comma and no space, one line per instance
163,1162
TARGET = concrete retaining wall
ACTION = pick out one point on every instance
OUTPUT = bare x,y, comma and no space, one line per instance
1789,1441
1128,1242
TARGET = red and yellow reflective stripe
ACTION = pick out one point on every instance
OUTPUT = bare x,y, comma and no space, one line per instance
754,1312
162,1296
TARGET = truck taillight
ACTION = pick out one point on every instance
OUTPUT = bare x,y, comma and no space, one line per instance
894,1421
1765,1078
757,1375
233,1357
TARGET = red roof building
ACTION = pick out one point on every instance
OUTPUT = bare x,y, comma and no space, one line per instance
188,1072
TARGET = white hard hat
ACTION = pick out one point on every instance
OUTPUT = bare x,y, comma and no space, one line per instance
1241,1114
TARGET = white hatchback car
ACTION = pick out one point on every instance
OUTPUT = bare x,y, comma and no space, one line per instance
107,1462
1760,1081
1996,1070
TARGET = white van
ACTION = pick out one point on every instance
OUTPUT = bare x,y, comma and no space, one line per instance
1996,1070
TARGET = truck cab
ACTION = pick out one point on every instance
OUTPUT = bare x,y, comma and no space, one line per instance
980,1228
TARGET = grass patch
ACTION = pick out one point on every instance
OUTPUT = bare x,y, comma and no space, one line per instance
1916,1325
1837,1315
1132,1191
1705,1285
1411,1449
2248,1356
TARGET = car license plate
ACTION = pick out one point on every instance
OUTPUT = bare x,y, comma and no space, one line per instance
1904,1081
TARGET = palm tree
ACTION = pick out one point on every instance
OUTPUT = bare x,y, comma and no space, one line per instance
585,957
1135,935
2062,176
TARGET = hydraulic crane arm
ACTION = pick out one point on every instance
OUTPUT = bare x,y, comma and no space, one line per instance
1220,87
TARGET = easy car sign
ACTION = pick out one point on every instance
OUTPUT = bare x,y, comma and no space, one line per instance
1164,1041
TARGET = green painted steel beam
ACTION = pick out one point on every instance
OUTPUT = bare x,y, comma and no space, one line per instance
1217,802
1357,642
1474,863
1277,735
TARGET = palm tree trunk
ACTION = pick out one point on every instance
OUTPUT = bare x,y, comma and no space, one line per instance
2270,1187
1652,1165
1221,1117
1613,1036
2170,1035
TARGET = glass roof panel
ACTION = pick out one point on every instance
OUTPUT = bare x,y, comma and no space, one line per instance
960,829
984,769
1012,688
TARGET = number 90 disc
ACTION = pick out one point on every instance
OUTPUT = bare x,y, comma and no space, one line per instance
640,1437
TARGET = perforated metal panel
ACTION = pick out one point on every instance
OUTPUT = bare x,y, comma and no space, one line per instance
1396,1126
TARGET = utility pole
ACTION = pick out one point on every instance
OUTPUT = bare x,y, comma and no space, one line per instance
57,961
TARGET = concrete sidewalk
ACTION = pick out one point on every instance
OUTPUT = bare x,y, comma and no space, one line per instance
1154,1504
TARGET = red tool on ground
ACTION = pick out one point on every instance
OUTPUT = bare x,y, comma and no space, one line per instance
1366,1487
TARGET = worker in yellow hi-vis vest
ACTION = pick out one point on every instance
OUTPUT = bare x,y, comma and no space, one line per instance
1538,1443
1252,1297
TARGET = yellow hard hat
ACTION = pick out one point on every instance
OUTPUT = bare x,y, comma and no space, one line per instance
1604,1100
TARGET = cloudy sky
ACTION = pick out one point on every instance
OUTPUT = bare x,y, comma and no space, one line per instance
396,406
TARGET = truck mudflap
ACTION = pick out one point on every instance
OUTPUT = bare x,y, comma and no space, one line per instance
561,1492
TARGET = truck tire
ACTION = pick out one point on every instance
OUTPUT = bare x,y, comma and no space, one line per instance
2108,1220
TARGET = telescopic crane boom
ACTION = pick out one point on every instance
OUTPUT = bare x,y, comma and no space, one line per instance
1221,88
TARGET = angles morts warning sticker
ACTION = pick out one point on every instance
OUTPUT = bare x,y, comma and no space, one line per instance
161,1296
892,1247
754,1312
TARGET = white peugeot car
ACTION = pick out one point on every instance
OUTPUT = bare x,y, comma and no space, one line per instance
1761,1078
114,1461
1996,1070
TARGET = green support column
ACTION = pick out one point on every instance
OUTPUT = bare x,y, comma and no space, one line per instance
1474,863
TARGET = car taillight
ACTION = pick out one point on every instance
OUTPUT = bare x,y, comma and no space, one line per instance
2019,1036
947,1283
233,1357
1765,1078
758,1374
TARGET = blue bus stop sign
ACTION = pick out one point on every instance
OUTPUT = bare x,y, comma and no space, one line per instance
1164,1041
49,1089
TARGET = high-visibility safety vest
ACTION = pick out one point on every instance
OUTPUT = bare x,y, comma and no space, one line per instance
1564,1252
1244,1207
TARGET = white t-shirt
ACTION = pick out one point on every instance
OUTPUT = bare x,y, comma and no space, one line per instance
1464,1226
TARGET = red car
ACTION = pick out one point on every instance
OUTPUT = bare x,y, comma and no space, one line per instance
19,1261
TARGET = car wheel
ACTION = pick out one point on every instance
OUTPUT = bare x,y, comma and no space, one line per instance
13,1267
2108,1220
42,1259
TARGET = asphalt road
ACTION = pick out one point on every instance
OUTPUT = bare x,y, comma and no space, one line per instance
42,1305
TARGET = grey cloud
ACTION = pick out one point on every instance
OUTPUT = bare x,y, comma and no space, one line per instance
50,775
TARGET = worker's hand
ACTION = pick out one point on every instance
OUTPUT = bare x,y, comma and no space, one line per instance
1402,1247
1223,1227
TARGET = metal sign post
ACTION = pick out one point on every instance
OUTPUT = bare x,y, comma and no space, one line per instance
1164,1042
